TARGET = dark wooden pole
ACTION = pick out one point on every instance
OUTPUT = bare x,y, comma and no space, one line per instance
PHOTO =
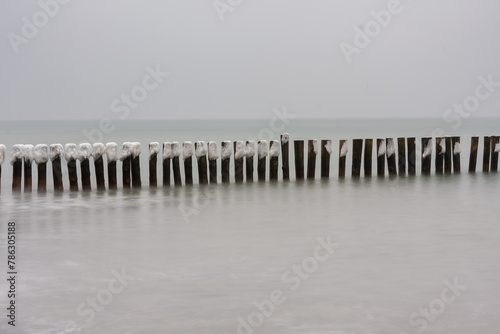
176,152
391,156
98,150
166,157
249,154
71,155
3,151
126,159
274,152
426,156
411,155
212,161
17,164
448,165
28,161
55,153
136,165
343,148
368,153
239,155
440,152
381,152
201,150
473,154
312,150
495,148
262,160
111,157
154,150
84,154
285,151
226,152
456,154
298,146
357,153
326,151
486,154
401,156
187,156
41,158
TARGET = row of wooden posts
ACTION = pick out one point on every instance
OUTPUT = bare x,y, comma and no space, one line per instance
400,157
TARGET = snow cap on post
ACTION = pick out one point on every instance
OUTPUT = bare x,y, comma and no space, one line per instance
112,151
70,152
41,154
55,151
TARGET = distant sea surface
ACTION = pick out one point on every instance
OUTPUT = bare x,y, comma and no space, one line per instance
374,255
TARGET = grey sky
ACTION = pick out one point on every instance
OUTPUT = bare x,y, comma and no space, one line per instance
264,55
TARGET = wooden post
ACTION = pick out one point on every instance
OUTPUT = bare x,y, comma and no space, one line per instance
71,155
486,154
166,158
176,153
84,154
55,153
111,157
3,150
226,152
456,154
448,156
495,148
390,152
440,152
28,161
381,152
298,146
201,150
262,159
343,149
212,161
17,164
249,154
187,156
312,150
411,155
239,154
357,153
401,156
41,154
154,150
274,152
98,150
368,153
136,165
326,151
426,156
474,142
126,159
285,151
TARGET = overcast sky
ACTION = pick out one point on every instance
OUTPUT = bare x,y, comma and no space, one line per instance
93,58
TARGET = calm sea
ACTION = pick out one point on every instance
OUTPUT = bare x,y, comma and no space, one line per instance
391,255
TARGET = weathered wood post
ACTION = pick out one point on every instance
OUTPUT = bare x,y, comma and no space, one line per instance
381,152
154,150
239,154
41,155
126,164
201,150
3,149
448,156
274,152
411,155
368,153
326,152
401,156
390,152
225,160
343,149
112,157
166,158
456,154
262,160
187,156
486,154
495,149
98,150
426,156
176,153
474,142
71,155
249,154
17,164
357,152
136,165
312,151
285,151
55,153
212,161
298,146
28,161
440,152
84,154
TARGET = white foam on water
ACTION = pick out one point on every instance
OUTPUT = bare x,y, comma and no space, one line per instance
250,149
3,149
382,148
55,151
70,152
112,151
84,151
201,149
262,149
154,148
240,149
212,151
390,147
41,154
274,150
98,150
226,149
126,150
187,149
167,150
344,149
